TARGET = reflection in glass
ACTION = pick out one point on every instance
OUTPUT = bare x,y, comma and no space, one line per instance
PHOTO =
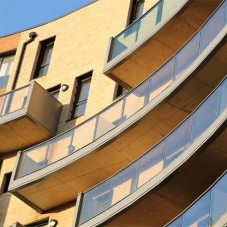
205,115
198,214
178,141
151,163
96,200
5,69
219,199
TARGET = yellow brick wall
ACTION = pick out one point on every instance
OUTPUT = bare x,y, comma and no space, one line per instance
80,46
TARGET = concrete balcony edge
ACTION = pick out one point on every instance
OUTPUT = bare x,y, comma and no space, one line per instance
41,174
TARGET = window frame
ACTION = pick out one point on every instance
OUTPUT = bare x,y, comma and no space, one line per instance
54,89
84,78
38,223
6,55
134,10
44,44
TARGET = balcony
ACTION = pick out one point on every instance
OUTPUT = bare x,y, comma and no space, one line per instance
209,209
61,167
25,117
151,40
192,149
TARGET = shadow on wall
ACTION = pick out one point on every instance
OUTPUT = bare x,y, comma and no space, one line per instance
4,206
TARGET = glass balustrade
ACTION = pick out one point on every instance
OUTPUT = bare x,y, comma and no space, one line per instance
207,210
132,177
13,101
141,26
73,140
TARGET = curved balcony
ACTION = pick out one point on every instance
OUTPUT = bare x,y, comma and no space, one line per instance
208,210
102,140
23,114
117,192
151,40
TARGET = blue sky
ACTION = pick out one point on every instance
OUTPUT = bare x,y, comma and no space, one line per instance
16,15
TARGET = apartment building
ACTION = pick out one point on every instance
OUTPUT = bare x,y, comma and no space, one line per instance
115,115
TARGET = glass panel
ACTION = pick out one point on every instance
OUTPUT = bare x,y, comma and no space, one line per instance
128,37
162,79
124,183
178,141
47,54
212,27
177,222
198,214
168,6
205,115
135,100
80,109
84,90
34,159
15,100
219,200
110,118
151,163
59,147
2,102
147,22
223,95
188,54
96,201
84,134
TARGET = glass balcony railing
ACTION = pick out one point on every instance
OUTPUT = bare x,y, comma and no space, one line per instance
207,210
132,177
73,140
141,26
14,100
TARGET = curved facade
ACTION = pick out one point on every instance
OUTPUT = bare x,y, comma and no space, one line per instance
209,209
99,129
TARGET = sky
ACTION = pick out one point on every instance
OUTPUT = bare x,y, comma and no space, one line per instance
16,15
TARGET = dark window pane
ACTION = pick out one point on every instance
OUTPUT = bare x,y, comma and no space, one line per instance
48,53
5,69
139,9
80,110
7,180
84,90
44,57
43,70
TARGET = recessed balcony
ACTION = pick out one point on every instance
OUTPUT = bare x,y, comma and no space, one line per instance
150,41
61,167
28,115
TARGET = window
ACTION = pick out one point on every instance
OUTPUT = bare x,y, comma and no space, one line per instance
137,10
44,57
81,96
5,69
43,222
54,91
6,180
120,91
